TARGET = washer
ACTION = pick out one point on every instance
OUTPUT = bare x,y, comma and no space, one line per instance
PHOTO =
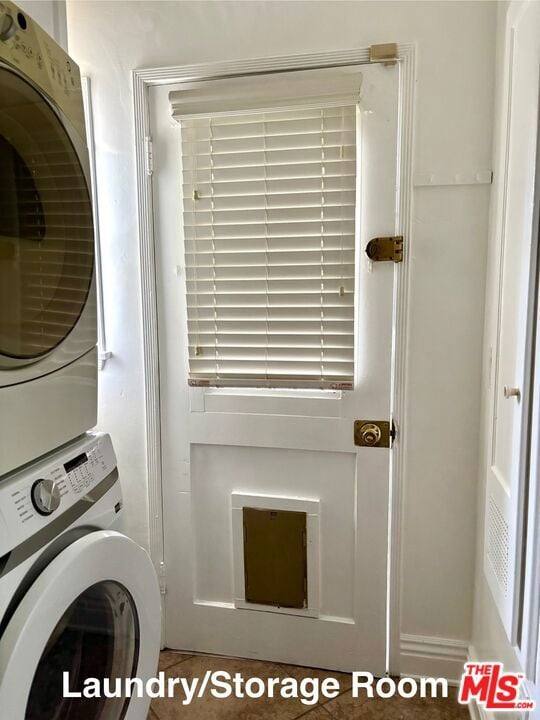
48,383
75,595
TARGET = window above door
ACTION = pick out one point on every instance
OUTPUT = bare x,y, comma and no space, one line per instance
269,201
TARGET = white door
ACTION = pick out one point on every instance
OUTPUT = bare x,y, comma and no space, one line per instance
228,448
93,612
505,489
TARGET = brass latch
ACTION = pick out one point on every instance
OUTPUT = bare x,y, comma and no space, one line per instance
373,433
387,53
380,249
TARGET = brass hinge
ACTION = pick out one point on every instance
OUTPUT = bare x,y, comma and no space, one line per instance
162,576
374,433
387,53
380,249
149,155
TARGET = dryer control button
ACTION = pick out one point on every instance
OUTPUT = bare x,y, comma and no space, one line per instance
45,496
7,26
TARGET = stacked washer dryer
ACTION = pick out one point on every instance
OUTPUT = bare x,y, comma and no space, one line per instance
75,596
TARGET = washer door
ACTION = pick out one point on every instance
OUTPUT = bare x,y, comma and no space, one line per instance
94,612
46,229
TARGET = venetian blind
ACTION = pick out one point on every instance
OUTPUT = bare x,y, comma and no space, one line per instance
269,224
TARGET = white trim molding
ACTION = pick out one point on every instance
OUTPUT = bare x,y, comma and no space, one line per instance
145,213
476,711
423,656
103,353
404,220
145,78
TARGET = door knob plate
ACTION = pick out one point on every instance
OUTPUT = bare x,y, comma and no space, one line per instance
372,433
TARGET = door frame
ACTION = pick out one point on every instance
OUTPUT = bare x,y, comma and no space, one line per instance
143,80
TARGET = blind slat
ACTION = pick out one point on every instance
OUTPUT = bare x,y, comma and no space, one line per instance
205,155
291,327
280,171
311,198
261,272
268,187
270,220
242,313
210,146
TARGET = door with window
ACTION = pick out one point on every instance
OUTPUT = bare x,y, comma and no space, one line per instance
275,336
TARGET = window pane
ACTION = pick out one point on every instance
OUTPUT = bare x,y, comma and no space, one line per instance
269,231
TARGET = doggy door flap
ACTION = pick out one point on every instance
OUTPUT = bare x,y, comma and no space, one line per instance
275,558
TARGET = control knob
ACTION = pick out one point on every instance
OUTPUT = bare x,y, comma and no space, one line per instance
7,26
45,496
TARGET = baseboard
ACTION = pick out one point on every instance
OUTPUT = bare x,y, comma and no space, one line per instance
479,713
476,711
423,656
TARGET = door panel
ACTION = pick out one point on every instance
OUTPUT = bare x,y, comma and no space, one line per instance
515,216
217,471
286,447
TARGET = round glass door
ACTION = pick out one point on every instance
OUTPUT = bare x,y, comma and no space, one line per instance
97,637
93,612
46,230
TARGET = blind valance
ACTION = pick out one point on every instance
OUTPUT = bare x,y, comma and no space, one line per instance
328,86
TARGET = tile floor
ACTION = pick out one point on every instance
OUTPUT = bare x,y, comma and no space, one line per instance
344,707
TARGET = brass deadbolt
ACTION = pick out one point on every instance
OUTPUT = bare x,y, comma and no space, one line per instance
370,434
380,249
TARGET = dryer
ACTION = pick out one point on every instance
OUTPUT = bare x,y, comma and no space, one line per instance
48,359
75,595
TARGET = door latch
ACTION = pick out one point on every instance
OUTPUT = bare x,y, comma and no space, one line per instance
373,433
380,249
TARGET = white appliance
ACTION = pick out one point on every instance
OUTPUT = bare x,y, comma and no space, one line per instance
48,383
75,596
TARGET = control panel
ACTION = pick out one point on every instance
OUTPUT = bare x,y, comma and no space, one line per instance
36,495
28,49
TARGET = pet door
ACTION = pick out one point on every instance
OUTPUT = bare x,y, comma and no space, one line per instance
275,557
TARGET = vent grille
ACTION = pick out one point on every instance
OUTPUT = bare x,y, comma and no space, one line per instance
498,544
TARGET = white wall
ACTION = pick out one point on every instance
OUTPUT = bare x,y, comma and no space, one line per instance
455,43
50,14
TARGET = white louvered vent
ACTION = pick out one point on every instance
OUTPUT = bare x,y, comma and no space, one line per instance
269,224
498,547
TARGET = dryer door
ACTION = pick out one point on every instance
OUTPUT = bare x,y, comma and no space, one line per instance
46,229
94,612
